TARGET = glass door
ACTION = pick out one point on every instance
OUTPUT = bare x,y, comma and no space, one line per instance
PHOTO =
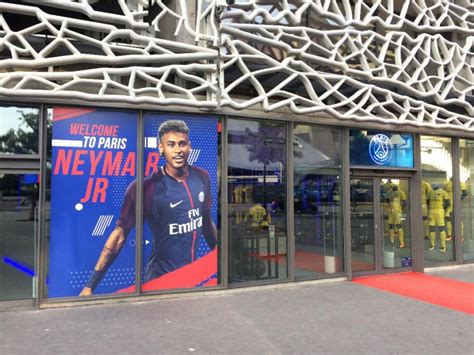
395,223
380,224
363,229
19,195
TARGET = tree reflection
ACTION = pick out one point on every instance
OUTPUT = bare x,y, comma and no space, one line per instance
266,146
25,138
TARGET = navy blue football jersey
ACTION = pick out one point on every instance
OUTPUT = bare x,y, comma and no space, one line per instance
178,213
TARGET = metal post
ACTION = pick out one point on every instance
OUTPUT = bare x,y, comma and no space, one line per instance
41,252
346,203
416,213
456,218
290,206
139,205
224,208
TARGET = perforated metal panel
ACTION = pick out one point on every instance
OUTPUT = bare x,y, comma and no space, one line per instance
389,61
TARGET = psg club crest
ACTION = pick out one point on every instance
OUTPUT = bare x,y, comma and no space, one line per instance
380,149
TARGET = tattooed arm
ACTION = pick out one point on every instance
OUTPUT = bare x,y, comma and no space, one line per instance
111,249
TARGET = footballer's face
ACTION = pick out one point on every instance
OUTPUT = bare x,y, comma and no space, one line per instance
175,147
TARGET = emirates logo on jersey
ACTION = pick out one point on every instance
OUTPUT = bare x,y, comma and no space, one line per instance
201,196
195,222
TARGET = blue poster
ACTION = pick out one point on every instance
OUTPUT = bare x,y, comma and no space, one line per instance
94,201
93,163
180,201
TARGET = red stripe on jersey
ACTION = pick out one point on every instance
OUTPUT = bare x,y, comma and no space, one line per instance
187,276
192,206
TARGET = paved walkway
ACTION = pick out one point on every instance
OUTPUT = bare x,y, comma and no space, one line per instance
331,318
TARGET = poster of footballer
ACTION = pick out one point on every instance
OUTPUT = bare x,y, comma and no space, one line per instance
93,199
180,202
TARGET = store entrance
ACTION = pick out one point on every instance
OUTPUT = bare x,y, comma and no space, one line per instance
380,224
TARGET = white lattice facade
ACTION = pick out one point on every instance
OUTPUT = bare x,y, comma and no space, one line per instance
389,61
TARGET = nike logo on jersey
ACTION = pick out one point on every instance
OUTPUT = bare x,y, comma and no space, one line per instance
173,205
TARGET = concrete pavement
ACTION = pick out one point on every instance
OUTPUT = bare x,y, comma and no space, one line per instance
330,318
463,273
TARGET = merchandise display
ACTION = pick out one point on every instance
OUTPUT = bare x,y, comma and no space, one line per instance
448,187
425,189
438,203
396,202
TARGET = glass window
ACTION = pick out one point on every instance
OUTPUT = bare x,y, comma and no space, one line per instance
437,199
19,130
317,201
180,201
467,200
257,201
19,195
373,148
91,200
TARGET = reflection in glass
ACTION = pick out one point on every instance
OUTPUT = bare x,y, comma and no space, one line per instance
362,225
18,223
467,200
19,130
317,201
257,196
437,195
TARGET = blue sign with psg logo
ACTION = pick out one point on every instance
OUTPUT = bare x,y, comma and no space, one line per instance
382,149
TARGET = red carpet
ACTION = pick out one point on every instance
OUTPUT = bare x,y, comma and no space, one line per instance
443,292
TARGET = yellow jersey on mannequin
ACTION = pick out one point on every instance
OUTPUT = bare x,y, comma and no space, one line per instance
448,187
258,216
237,196
396,201
386,188
425,189
438,201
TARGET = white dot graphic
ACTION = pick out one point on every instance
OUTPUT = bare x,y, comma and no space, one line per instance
79,206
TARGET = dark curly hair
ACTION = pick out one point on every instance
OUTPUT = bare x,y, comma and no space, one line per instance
172,126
